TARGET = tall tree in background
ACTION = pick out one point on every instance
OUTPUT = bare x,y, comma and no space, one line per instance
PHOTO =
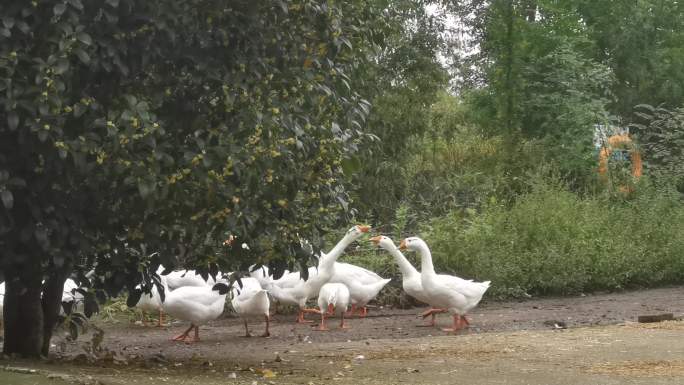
405,77
540,77
643,43
166,126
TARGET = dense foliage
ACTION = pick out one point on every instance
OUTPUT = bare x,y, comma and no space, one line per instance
132,127
502,179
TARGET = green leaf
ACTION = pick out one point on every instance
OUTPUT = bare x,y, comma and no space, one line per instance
76,4
84,38
146,187
79,109
41,235
113,3
8,22
61,67
82,55
351,165
7,199
59,9
12,120
133,297
23,27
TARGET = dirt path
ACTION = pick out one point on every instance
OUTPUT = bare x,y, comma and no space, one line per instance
508,343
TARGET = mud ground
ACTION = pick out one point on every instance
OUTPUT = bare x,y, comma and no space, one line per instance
508,343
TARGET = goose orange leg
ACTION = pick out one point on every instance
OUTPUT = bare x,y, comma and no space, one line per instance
267,333
300,316
247,333
432,312
196,334
343,325
458,324
322,327
184,336
352,310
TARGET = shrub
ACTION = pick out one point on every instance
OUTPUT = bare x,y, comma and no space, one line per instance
553,241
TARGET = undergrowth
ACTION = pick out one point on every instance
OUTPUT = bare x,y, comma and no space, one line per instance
551,241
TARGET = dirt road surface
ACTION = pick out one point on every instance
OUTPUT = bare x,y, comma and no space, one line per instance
508,343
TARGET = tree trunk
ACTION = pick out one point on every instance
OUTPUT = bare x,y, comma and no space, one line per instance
510,14
52,300
23,312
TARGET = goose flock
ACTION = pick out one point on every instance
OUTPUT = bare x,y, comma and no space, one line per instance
341,288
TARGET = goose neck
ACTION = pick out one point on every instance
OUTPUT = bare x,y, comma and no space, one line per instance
426,260
404,265
330,258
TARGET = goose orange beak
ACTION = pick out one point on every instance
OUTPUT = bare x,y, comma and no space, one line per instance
402,245
363,228
376,240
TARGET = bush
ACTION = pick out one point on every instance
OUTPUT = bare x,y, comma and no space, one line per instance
464,172
553,241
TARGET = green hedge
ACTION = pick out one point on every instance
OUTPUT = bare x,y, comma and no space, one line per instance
553,241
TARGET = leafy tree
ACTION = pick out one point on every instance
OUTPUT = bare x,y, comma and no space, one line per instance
133,126
407,79
661,138
565,95
641,41
542,81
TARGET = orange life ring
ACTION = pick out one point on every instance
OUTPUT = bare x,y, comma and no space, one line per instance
620,141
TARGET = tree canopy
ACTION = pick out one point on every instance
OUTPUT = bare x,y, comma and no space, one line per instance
132,127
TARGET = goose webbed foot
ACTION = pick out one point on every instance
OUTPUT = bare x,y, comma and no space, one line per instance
300,317
458,324
184,336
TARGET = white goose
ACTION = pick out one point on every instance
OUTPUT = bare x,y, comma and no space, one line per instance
151,302
360,293
180,278
2,301
262,275
280,289
411,278
195,304
449,292
333,298
364,276
250,300
363,284
302,290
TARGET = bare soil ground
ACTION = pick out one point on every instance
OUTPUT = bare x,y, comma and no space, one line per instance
508,343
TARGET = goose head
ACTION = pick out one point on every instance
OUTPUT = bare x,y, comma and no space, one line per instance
384,242
411,243
358,230
354,233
